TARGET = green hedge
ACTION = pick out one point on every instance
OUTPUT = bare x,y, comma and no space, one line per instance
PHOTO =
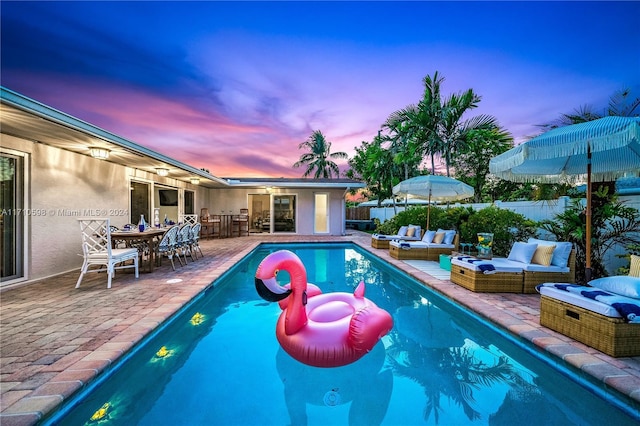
506,225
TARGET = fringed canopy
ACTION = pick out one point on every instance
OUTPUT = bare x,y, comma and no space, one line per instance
434,187
560,155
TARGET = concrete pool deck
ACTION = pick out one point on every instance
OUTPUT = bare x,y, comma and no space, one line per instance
54,339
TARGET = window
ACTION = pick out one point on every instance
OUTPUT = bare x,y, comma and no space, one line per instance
139,201
189,202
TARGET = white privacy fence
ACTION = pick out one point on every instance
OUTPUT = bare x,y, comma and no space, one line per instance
534,210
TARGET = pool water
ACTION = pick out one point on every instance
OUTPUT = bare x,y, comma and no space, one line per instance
218,363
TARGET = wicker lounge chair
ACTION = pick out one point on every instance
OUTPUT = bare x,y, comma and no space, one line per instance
593,322
588,321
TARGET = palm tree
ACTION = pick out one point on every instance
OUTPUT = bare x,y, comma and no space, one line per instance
621,104
452,130
319,157
437,123
403,141
429,117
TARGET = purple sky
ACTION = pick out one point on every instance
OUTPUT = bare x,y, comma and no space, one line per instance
234,87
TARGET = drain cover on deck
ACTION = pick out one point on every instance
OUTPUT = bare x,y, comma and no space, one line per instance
174,281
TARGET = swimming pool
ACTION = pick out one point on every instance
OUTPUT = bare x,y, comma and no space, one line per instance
218,362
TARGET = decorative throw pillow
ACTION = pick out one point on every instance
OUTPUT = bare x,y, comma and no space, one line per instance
560,255
522,252
428,236
634,268
411,231
622,285
403,231
543,255
437,239
449,236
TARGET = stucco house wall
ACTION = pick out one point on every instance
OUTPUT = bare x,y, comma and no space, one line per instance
231,200
62,186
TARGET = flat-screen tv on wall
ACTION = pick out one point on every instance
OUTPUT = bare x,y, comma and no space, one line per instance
168,197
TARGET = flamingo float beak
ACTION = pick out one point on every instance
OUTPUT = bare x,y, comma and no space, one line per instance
270,290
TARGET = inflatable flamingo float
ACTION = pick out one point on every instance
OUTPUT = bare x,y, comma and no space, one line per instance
326,330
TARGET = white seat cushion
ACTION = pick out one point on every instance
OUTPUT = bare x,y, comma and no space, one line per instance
580,301
500,264
534,267
411,244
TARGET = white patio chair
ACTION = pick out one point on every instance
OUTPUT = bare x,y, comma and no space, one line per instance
191,219
97,250
168,245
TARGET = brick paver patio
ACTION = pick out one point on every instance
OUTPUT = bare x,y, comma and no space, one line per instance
54,339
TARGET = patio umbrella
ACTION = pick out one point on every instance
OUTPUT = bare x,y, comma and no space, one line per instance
433,188
596,151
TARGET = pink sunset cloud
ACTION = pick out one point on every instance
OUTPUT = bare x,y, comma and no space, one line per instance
237,94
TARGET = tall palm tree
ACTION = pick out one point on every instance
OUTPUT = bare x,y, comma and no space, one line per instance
439,121
429,117
453,129
318,160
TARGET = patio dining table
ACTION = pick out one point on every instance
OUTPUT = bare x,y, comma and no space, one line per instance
135,238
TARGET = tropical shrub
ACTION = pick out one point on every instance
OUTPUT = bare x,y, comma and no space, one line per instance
629,250
506,226
612,223
440,217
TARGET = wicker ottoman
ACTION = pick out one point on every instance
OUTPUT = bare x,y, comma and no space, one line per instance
613,336
379,244
500,282
412,254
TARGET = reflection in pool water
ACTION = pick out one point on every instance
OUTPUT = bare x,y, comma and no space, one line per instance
219,363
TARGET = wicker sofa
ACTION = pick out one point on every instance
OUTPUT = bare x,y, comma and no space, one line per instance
513,274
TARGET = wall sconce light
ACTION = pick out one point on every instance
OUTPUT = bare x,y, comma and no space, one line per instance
195,181
99,153
162,172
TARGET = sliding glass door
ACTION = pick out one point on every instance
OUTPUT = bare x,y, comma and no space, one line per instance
11,217
284,213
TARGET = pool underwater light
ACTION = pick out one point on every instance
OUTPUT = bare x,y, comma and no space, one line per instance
102,414
197,319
